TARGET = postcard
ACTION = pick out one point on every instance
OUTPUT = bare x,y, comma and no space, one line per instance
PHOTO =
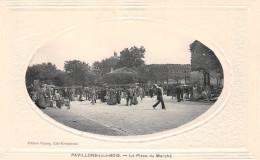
129,79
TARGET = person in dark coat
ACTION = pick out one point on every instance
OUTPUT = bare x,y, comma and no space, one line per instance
93,95
151,93
81,90
57,99
118,95
172,91
103,95
41,101
112,97
159,93
135,101
178,92
71,95
185,93
130,95
66,96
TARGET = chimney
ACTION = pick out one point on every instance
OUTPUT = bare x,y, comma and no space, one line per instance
111,70
115,54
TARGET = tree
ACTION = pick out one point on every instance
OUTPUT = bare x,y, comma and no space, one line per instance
217,74
186,69
204,60
105,65
44,72
196,77
164,72
142,73
158,72
78,72
62,79
132,57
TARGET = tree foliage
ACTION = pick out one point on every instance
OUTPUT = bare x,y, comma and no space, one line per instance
61,79
132,57
142,73
196,77
78,72
202,58
105,65
168,71
45,72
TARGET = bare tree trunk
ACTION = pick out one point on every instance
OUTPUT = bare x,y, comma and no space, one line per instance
208,78
205,78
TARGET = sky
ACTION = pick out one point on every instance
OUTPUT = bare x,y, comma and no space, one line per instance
90,43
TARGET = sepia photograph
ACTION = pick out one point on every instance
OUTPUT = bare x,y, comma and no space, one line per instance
129,79
121,84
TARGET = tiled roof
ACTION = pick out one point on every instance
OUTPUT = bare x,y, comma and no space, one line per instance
123,70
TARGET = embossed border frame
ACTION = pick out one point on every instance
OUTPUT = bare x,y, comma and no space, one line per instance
249,151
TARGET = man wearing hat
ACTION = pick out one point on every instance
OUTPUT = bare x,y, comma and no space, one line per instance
159,92
130,95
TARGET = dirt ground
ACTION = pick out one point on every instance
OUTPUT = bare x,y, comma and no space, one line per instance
122,120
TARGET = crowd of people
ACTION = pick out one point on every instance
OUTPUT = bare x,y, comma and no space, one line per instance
193,92
46,96
51,96
113,95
